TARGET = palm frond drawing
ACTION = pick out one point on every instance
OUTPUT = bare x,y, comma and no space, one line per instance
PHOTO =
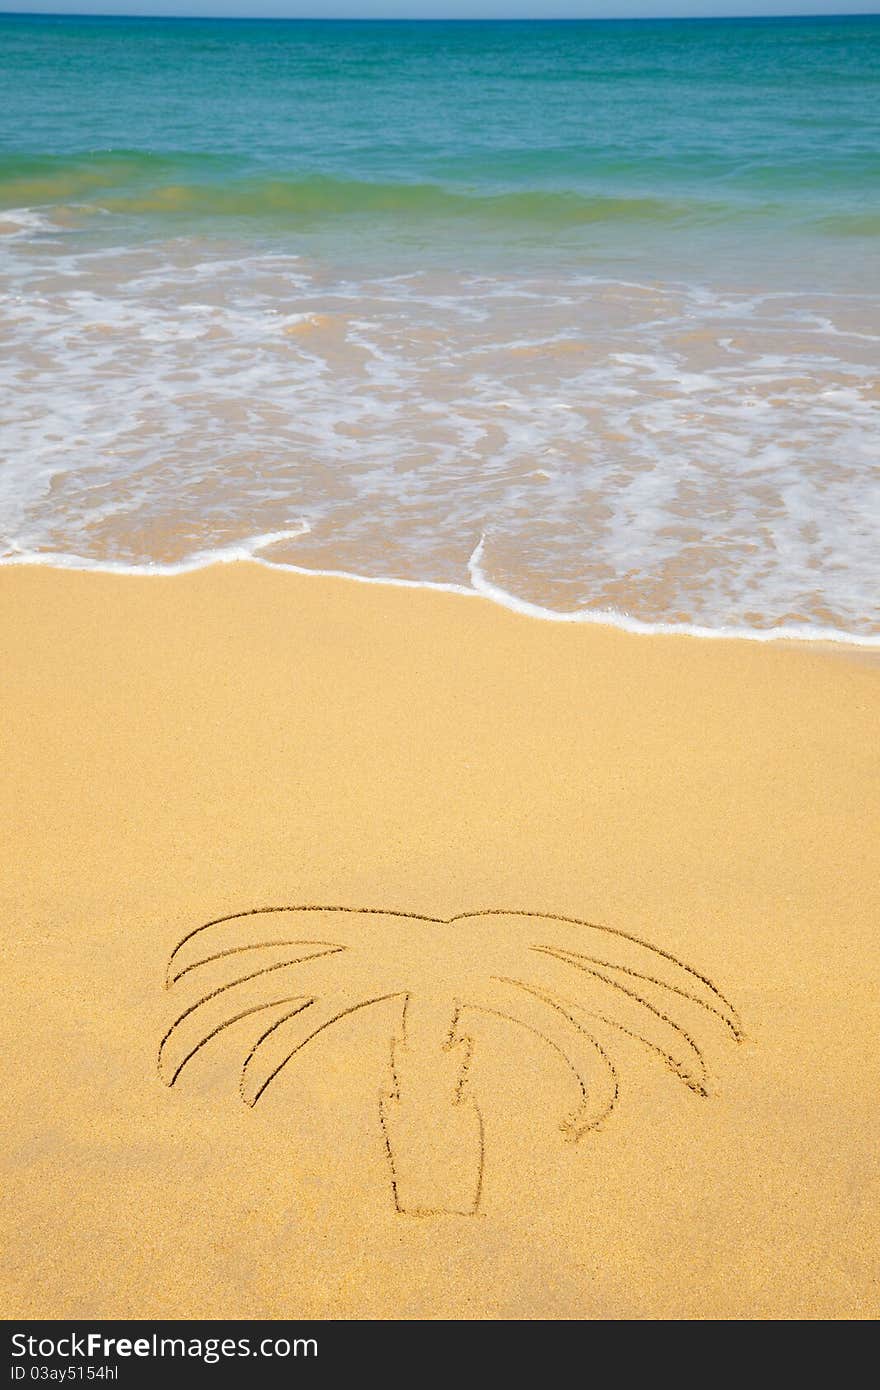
281,976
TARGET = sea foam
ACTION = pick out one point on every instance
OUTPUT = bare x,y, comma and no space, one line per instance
667,457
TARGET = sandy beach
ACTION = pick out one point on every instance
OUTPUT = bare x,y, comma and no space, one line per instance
701,1143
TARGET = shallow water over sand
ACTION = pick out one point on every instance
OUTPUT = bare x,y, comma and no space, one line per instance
668,452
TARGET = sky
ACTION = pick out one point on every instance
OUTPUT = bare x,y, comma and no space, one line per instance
442,9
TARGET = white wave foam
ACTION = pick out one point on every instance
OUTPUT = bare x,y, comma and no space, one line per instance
482,588
791,632
27,221
631,451
200,559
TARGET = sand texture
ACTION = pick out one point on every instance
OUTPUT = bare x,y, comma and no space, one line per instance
565,998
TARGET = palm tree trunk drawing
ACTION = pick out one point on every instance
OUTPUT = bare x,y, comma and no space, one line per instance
432,1125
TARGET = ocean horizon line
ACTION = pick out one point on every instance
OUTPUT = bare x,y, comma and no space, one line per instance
783,17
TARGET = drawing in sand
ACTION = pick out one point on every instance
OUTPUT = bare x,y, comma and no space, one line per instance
577,986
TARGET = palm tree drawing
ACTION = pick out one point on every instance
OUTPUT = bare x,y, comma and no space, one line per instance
281,976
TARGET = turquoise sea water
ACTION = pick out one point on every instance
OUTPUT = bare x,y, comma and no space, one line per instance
583,314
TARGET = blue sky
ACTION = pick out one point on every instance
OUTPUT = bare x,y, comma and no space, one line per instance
453,9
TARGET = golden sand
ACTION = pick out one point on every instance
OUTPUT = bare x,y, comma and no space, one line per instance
180,750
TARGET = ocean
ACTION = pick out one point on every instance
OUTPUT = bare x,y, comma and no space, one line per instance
579,316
